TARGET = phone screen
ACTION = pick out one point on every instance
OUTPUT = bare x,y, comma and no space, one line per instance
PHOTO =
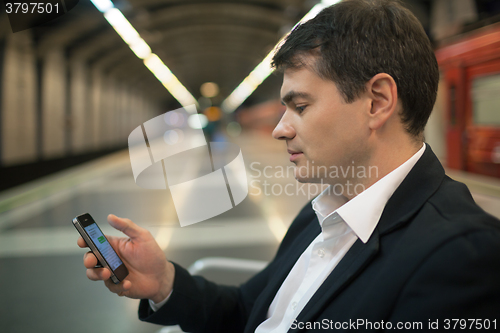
103,245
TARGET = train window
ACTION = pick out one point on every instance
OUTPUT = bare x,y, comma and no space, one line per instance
486,100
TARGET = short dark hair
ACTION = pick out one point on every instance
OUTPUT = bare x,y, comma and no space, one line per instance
354,40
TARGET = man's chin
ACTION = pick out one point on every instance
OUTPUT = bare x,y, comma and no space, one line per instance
305,180
302,180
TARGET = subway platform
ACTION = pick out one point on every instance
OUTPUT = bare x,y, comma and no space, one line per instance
43,283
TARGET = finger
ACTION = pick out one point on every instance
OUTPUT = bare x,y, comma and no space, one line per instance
120,288
126,226
126,284
89,260
98,274
81,242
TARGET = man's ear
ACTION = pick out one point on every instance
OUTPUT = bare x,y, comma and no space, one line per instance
383,92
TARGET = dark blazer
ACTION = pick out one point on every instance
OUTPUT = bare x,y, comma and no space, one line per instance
434,255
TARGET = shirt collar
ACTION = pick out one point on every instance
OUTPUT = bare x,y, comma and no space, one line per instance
363,212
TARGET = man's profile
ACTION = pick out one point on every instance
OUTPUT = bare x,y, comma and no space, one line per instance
412,248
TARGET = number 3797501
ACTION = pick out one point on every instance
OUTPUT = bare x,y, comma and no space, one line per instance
477,324
32,8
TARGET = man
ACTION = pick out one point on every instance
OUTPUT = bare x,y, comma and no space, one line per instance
405,247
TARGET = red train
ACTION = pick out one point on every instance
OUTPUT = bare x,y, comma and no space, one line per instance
471,70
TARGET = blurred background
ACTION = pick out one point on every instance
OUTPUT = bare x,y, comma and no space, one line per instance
72,89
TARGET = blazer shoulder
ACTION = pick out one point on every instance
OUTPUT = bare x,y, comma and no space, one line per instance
454,203
450,214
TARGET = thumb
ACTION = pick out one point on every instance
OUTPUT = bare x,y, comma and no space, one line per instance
126,226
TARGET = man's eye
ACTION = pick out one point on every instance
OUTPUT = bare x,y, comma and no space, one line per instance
301,108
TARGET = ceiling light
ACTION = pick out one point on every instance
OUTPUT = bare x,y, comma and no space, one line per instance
209,89
103,5
263,70
142,50
122,26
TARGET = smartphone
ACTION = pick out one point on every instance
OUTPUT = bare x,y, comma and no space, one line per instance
99,245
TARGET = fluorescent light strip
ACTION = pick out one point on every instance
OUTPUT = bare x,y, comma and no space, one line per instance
142,50
103,5
263,70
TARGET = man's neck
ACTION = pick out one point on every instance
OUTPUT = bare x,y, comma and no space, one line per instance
384,160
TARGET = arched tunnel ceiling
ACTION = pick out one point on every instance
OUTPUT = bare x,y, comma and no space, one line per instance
200,41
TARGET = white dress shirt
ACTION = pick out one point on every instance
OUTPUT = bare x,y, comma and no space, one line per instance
342,223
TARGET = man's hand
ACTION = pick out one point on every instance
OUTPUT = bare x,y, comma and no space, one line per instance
150,274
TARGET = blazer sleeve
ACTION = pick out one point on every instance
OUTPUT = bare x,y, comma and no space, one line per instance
198,305
460,280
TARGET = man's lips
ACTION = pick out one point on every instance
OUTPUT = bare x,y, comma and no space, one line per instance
294,154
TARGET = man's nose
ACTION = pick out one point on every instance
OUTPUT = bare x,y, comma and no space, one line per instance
284,130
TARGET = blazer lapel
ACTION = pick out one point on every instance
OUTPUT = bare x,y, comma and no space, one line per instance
353,263
420,184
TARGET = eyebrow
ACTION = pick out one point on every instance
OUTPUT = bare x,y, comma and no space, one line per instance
291,95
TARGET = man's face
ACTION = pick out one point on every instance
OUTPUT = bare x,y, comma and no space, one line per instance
323,133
